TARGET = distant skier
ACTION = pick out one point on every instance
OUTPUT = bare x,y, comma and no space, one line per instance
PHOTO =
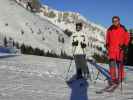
29,5
117,39
79,44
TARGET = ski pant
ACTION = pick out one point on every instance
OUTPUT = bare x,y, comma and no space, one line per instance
81,65
116,70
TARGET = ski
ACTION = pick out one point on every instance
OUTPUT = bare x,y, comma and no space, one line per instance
102,90
102,70
109,89
113,88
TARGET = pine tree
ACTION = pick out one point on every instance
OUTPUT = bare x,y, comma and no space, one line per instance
51,14
68,32
17,45
23,49
5,42
35,4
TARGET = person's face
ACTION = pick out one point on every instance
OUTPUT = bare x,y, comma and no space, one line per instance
116,22
78,28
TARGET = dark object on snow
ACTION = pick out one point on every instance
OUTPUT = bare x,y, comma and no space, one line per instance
29,5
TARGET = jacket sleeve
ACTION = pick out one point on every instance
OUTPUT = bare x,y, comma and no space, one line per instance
126,38
73,37
107,38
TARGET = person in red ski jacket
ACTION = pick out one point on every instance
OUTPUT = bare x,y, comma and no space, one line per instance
117,39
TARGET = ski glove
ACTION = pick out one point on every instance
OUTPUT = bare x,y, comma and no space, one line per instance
83,45
75,43
106,45
124,48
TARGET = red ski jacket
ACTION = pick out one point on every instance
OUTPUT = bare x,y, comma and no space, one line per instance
115,38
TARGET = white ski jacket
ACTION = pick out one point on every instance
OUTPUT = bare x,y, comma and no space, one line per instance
80,37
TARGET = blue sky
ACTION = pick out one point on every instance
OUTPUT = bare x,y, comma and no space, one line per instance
98,11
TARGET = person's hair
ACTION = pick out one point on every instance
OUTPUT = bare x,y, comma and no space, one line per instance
115,17
79,24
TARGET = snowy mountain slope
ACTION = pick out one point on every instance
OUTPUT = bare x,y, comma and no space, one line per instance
28,28
29,77
67,20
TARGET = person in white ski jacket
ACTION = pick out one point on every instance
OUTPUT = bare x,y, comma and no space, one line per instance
79,43
80,38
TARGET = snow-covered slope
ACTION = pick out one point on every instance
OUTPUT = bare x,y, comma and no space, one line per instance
28,28
30,77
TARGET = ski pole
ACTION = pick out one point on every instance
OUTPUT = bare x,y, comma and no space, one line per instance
97,77
121,81
120,70
70,63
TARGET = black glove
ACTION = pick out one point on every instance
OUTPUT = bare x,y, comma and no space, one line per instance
124,48
106,46
83,45
75,43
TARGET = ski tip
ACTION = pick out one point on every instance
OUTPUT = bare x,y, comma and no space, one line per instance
99,92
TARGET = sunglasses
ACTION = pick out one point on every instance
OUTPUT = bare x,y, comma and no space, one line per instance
114,21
